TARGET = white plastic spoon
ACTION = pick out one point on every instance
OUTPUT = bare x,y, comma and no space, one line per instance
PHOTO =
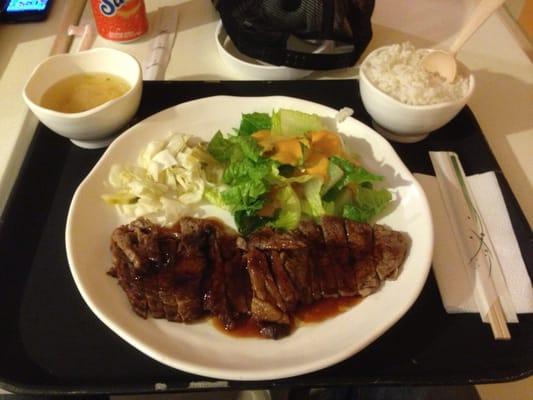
443,62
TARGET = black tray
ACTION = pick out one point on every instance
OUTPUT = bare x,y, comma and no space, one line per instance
51,341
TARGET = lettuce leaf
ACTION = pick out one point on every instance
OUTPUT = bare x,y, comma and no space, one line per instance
253,122
233,148
290,209
248,178
335,174
244,146
220,148
247,221
354,175
245,196
367,204
292,123
311,191
245,170
214,196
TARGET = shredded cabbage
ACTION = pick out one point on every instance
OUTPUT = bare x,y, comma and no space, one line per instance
170,177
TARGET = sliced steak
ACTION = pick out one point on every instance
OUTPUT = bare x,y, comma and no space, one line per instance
339,254
359,238
283,282
150,284
238,289
390,248
215,299
124,271
269,239
361,243
139,243
198,266
136,256
228,293
365,274
190,266
323,281
267,303
167,295
299,268
168,244
263,311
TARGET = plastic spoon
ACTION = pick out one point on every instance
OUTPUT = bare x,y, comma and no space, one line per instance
443,62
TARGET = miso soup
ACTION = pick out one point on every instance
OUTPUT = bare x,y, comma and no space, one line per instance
81,92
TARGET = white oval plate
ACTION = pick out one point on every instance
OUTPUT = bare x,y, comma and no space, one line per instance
200,348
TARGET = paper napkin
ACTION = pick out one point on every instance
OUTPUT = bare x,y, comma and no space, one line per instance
455,290
165,25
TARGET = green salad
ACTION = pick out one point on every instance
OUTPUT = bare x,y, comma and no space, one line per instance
273,170
283,167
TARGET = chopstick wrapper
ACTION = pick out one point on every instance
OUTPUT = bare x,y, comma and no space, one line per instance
458,295
156,62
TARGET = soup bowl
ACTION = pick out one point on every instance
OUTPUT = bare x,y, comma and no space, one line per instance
97,126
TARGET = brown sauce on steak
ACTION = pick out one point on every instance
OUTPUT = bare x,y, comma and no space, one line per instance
244,327
326,308
262,286
319,311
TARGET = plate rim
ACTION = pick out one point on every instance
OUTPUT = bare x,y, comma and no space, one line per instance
215,372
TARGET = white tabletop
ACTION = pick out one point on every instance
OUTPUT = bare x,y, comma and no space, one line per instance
502,102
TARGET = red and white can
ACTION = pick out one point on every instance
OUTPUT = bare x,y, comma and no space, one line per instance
120,20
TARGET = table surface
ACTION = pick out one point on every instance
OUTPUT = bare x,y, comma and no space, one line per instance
497,54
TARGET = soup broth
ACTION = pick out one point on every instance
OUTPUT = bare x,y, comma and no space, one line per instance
81,92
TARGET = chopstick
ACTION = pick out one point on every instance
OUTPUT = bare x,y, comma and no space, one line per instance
480,261
87,34
72,11
497,321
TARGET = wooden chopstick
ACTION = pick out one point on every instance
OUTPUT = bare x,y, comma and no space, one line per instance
72,10
479,259
497,321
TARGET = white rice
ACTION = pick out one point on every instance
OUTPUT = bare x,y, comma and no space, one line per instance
397,71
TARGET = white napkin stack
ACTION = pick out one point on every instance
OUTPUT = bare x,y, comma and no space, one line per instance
456,292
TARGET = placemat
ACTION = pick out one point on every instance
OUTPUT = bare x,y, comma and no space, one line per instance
52,342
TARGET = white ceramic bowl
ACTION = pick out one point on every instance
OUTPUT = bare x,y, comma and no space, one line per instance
96,127
251,68
406,123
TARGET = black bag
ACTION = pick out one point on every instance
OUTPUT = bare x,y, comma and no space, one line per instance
261,29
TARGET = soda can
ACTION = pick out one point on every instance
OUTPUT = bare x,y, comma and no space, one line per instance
120,20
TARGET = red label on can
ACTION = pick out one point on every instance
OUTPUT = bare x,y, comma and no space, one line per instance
120,20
